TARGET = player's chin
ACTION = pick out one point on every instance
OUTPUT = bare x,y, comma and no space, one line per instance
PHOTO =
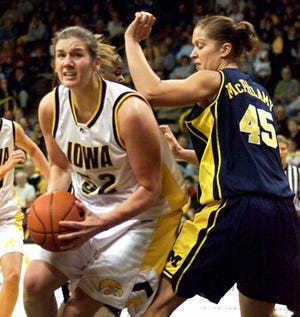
69,82
198,67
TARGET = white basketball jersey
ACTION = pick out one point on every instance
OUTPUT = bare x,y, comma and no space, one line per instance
8,201
101,174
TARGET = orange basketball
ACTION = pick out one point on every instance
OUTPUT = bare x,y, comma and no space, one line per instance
44,215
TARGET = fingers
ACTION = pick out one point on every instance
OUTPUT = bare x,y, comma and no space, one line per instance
18,155
165,128
71,224
145,19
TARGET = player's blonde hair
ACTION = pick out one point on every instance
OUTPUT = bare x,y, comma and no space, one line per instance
108,54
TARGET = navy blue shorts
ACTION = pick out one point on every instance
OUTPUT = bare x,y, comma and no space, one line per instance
251,240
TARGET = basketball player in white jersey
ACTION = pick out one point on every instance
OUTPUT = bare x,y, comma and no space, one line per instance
103,137
111,68
12,136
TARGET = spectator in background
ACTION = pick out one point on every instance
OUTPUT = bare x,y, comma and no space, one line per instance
39,62
34,177
184,69
169,60
37,137
12,12
18,115
292,171
20,53
198,12
151,51
236,14
262,66
115,28
8,114
9,31
278,51
185,48
24,123
226,5
293,156
23,188
100,28
292,39
294,107
8,68
5,90
287,89
37,32
25,6
20,86
294,131
6,50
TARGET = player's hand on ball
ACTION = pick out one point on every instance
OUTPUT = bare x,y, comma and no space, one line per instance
81,231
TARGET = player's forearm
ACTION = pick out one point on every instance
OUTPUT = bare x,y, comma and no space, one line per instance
187,155
138,202
59,179
144,78
41,163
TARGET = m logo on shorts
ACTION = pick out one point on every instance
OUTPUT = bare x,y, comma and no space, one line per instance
174,259
111,287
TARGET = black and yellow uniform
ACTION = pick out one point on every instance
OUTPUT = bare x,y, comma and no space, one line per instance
248,217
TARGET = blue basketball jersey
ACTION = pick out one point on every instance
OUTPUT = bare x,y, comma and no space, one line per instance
235,141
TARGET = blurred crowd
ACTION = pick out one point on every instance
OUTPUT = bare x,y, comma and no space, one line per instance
27,26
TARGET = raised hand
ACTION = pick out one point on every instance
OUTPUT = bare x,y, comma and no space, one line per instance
141,26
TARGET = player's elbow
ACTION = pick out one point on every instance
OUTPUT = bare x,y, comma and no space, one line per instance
156,190
152,93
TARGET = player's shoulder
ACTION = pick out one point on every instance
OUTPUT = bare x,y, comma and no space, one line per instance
47,100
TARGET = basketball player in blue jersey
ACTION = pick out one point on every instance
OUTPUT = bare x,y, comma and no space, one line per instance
247,230
14,145
103,137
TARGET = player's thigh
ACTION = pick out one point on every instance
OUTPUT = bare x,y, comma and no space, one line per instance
42,276
252,308
80,303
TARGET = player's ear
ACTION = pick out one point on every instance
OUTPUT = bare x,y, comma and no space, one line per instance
97,64
226,49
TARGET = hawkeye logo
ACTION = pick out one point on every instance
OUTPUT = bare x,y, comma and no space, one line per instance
174,259
111,287
10,243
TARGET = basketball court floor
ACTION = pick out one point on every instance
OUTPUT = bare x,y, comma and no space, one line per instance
197,306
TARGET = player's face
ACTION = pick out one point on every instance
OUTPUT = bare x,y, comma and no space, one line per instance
283,150
73,62
206,53
115,73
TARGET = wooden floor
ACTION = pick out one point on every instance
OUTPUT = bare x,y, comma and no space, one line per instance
197,306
